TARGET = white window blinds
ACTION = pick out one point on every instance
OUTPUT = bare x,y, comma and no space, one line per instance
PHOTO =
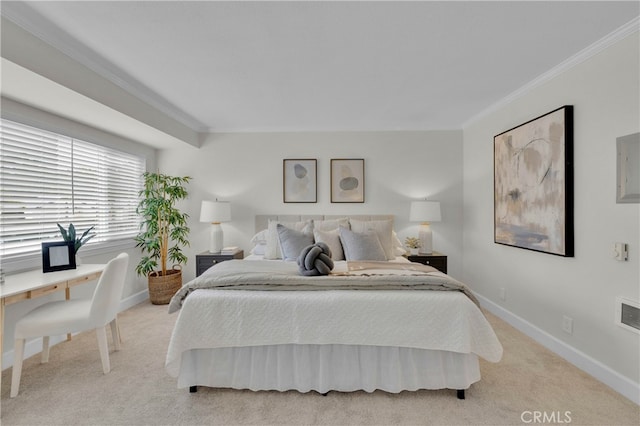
47,178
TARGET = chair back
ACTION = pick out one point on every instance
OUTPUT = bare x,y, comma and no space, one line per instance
108,292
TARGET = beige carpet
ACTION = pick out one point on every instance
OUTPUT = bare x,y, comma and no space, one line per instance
71,389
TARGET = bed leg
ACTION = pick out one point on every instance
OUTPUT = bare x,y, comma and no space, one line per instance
460,393
194,389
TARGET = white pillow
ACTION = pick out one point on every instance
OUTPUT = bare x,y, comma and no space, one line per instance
260,237
292,242
399,251
259,249
384,230
361,246
273,250
331,224
332,239
398,247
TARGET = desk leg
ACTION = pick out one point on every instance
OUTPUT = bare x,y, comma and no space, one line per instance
1,332
67,296
1,340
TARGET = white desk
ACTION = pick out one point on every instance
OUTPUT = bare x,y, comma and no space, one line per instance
32,284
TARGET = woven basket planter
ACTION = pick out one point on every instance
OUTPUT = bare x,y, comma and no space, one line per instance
163,287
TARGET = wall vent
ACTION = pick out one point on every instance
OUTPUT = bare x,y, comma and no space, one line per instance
628,314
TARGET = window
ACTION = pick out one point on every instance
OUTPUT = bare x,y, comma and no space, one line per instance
46,178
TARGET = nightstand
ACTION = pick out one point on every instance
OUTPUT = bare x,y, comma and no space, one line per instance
206,260
435,259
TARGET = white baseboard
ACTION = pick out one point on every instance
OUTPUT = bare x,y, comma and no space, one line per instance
33,347
133,300
595,368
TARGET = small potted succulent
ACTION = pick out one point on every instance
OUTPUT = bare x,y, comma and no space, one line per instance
413,244
70,235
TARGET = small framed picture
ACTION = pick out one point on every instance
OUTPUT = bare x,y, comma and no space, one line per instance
58,256
347,180
299,180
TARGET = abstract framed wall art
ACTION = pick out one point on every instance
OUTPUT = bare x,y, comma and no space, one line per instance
533,184
347,180
299,180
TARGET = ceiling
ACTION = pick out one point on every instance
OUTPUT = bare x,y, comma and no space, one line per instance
321,66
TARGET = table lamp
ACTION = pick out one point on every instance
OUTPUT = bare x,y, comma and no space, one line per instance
215,212
425,212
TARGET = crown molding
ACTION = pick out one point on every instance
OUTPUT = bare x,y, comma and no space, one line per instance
624,31
31,21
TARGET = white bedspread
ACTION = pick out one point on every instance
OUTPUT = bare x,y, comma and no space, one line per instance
437,320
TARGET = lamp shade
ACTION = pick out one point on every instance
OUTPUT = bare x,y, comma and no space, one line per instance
425,211
215,211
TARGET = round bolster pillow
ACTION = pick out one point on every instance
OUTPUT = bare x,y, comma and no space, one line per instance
315,260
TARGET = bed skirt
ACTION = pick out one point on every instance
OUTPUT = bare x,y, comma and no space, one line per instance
324,368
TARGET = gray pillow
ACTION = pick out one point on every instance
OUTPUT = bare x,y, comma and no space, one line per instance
331,239
292,242
382,228
273,251
361,246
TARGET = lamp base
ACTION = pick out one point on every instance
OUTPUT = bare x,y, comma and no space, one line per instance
215,241
426,239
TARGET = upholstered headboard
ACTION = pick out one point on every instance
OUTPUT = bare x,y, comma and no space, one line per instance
262,221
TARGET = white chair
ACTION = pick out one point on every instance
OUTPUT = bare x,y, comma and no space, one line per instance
71,316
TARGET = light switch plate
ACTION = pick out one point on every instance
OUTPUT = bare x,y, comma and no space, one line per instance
621,251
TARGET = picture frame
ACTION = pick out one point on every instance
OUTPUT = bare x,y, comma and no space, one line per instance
347,180
533,184
300,180
58,256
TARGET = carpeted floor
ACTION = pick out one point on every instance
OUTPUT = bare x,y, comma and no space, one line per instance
71,390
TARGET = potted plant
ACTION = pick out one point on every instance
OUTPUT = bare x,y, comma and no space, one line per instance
71,236
163,233
413,244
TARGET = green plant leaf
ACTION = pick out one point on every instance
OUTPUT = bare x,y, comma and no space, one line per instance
84,234
63,231
72,232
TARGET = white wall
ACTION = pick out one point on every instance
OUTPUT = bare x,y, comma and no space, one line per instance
541,288
246,169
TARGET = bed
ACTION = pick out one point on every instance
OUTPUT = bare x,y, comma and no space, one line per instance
389,325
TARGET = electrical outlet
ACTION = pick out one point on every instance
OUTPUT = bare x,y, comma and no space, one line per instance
567,324
503,294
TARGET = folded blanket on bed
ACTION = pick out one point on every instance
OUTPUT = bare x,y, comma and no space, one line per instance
271,275
368,267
